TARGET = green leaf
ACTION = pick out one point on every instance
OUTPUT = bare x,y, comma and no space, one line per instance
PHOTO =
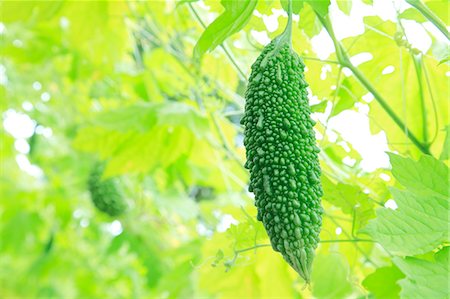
446,59
15,11
309,22
440,9
412,14
424,279
319,107
345,6
420,224
380,43
446,147
428,176
320,6
236,15
181,2
330,284
297,5
346,99
382,283
351,200
143,136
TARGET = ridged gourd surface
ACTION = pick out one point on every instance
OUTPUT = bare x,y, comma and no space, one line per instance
105,193
282,155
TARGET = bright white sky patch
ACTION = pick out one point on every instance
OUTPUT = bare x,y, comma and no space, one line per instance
363,108
44,131
22,146
17,124
202,230
368,97
45,96
347,72
260,36
27,106
225,222
361,58
349,161
385,177
354,128
338,231
322,44
417,35
271,22
115,228
64,22
391,204
37,85
26,166
388,70
84,222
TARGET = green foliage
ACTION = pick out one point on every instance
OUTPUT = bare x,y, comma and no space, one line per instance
105,193
236,15
282,154
405,231
331,283
383,282
425,279
351,199
445,153
116,81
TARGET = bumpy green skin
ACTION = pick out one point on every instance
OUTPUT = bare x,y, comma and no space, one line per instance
105,194
282,155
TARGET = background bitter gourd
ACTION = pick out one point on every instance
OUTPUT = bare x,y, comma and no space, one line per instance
282,155
105,193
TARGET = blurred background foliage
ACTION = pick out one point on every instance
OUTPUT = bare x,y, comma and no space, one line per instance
124,82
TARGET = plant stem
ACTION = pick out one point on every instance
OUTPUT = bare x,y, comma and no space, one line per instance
343,241
356,245
436,119
424,148
427,13
345,61
251,248
418,67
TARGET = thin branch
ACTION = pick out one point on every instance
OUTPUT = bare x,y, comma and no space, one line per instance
356,245
436,119
320,60
251,248
346,241
418,68
224,140
427,13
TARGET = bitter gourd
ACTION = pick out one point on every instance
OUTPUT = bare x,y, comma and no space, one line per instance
106,193
282,155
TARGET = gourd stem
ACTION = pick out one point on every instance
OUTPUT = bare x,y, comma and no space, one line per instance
288,30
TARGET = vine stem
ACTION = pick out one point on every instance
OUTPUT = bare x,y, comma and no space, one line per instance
227,52
418,66
346,241
345,62
251,248
427,13
237,252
